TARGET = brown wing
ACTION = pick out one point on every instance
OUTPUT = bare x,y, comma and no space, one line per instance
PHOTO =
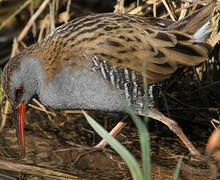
160,52
125,41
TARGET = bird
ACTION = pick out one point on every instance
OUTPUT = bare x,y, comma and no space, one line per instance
92,61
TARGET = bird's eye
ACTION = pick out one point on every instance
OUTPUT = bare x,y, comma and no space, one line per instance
18,92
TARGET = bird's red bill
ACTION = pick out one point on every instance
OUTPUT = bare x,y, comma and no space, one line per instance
20,127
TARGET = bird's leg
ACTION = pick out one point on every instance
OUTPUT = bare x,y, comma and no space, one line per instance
113,133
173,126
155,114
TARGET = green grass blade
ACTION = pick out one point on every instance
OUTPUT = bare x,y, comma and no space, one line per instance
178,167
145,153
120,149
144,142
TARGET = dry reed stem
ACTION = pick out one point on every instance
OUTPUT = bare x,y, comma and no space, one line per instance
215,36
4,115
32,20
114,132
14,48
52,15
168,10
40,109
33,170
119,7
68,6
138,9
67,12
73,111
44,27
43,108
23,44
14,14
34,27
215,123
184,10
155,8
215,39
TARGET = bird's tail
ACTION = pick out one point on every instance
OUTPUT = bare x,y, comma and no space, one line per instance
197,24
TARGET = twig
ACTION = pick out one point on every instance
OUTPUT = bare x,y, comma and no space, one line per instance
4,116
47,112
73,111
113,133
168,10
34,28
43,107
215,39
14,14
23,44
32,19
33,170
155,8
68,6
119,7
52,15
166,15
184,10
44,26
40,109
138,9
14,48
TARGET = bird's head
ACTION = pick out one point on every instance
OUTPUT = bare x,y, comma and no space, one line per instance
18,85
